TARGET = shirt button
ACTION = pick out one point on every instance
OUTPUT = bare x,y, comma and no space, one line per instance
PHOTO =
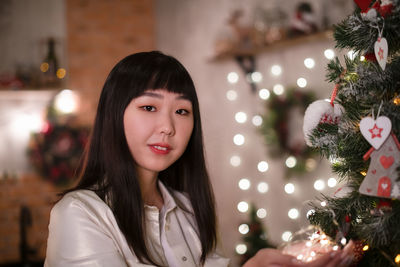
184,258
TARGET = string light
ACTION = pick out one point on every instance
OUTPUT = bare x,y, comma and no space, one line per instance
362,58
301,82
244,184
256,77
262,187
241,249
276,70
278,89
319,185
238,139
397,259
264,94
241,117
262,166
396,100
363,173
309,213
257,120
332,182
243,206
309,63
244,229
289,188
323,203
44,67
286,236
329,54
290,162
231,95
310,164
365,248
261,213
293,214
235,161
232,77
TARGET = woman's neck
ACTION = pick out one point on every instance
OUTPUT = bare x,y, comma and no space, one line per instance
149,188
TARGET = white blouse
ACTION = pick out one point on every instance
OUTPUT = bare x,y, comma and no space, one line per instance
83,232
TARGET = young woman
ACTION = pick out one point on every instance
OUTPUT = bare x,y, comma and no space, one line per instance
144,195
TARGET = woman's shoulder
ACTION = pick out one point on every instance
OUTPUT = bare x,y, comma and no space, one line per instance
80,202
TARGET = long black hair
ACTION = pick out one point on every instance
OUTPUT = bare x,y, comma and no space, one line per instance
108,169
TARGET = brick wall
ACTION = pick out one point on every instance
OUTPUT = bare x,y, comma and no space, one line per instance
99,34
38,195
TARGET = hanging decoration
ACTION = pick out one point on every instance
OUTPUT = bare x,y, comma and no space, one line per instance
55,152
276,129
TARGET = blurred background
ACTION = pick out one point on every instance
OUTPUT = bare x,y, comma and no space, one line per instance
256,66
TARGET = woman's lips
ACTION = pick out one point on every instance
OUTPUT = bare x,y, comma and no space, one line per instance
162,149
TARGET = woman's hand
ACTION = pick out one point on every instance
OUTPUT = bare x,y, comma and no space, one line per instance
275,258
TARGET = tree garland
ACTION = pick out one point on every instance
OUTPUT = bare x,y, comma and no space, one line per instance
275,128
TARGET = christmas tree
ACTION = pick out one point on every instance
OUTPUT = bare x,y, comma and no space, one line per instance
358,131
255,237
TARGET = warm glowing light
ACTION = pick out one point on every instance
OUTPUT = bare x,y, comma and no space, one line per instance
286,236
301,82
66,101
289,188
244,184
241,249
264,94
276,70
308,244
293,214
329,54
27,123
261,213
300,257
332,182
396,101
397,259
241,117
323,203
363,173
309,63
244,229
262,166
278,89
319,185
362,58
291,162
238,139
335,248
235,161
262,187
365,248
231,95
256,77
44,66
232,77
343,241
257,120
61,72
243,206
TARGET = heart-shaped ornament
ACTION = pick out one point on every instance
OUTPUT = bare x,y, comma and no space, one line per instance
381,51
363,4
375,131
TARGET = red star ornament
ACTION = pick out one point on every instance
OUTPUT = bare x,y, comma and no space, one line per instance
375,131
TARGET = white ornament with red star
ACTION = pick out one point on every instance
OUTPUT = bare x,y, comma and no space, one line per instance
381,51
375,131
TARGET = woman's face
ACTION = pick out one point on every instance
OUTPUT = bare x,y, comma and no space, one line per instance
158,125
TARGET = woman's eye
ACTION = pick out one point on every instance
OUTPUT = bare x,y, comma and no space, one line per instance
182,112
149,108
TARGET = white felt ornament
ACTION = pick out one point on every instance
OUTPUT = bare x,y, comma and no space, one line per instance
320,111
375,131
381,51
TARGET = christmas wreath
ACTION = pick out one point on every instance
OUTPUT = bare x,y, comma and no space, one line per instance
55,152
276,130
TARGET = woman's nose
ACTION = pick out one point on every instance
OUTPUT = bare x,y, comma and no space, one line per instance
167,125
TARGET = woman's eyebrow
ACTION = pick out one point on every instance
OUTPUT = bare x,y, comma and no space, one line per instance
160,96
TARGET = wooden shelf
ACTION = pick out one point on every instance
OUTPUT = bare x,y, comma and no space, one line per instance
279,45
